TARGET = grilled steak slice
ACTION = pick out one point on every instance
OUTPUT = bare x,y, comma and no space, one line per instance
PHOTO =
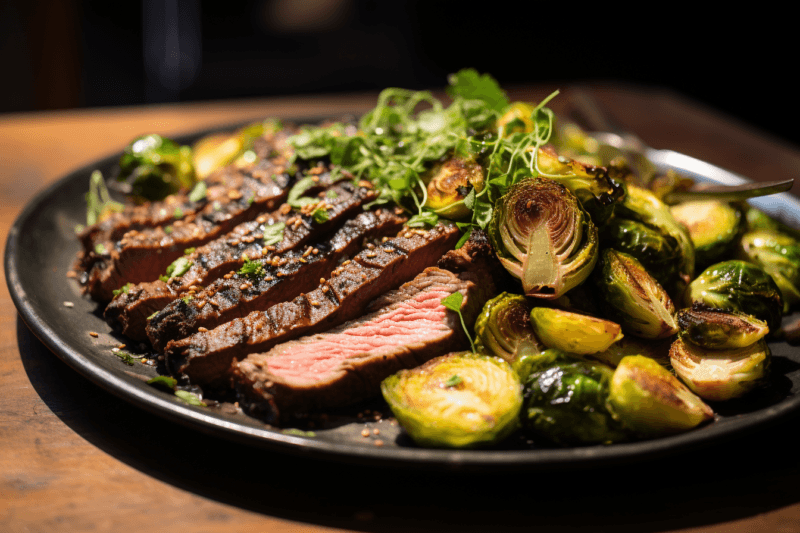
276,280
178,206
209,262
143,256
206,356
348,363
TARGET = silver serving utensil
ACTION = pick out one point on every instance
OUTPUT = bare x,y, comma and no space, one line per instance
616,142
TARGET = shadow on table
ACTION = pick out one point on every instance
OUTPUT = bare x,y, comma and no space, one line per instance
727,481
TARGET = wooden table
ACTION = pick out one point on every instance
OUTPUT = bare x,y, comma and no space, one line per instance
75,458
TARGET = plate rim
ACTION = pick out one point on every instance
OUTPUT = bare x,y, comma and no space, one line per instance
161,404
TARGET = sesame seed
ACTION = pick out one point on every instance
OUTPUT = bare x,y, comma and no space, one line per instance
325,289
69,304
379,443
315,303
94,334
376,431
201,329
307,252
243,286
321,280
365,433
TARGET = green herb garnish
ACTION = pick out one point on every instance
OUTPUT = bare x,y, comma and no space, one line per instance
127,358
453,303
100,249
453,380
298,432
320,215
122,290
166,382
252,269
179,267
273,234
189,251
178,213
296,198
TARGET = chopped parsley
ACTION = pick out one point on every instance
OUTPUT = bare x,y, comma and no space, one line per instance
298,432
122,290
178,213
98,201
166,382
453,380
179,267
320,215
252,269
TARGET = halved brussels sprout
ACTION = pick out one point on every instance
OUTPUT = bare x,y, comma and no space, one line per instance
719,330
630,345
634,298
651,401
217,150
758,220
573,332
779,255
643,206
529,363
713,227
738,286
653,248
719,375
566,404
543,237
458,400
156,167
450,183
503,328
517,118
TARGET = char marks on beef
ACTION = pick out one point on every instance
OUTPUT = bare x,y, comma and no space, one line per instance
206,356
144,255
221,256
178,205
283,277
406,328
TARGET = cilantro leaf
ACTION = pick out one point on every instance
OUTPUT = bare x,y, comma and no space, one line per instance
252,269
453,380
179,267
166,382
453,303
468,84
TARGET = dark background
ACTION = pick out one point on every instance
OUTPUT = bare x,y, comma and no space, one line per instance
71,54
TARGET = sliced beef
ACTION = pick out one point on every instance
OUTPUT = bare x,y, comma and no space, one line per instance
279,278
211,261
177,206
206,356
348,363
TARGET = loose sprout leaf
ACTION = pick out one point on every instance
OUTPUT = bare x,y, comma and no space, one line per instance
189,398
298,432
296,198
273,234
199,191
320,215
179,267
127,358
98,200
166,382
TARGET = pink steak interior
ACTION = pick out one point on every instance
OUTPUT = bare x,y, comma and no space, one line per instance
410,322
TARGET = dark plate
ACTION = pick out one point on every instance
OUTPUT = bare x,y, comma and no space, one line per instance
41,248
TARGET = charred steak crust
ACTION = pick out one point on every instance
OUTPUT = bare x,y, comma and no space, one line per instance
347,364
206,357
284,277
177,206
219,257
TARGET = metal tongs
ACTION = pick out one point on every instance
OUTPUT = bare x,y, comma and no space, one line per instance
614,142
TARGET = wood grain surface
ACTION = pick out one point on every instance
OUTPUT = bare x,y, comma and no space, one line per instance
75,458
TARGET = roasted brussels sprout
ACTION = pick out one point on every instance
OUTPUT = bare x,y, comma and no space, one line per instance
449,185
217,150
738,286
567,404
652,402
758,220
458,400
719,330
779,255
634,298
713,227
720,375
543,237
156,167
503,328
643,206
654,249
517,118
656,350
573,332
